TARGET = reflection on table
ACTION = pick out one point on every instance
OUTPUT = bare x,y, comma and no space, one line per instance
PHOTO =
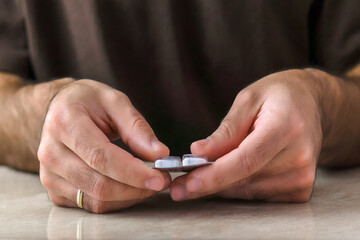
333,212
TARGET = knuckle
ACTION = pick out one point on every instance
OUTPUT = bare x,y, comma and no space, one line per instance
244,165
97,159
56,117
279,114
67,79
304,158
45,155
88,83
84,81
51,120
227,128
306,180
46,181
138,122
42,152
118,98
122,96
246,97
100,189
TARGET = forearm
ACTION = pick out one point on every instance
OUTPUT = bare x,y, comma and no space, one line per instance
22,111
339,99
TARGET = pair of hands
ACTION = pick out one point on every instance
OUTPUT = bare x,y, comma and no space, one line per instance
266,148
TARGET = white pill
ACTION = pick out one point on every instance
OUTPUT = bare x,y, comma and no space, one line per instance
168,162
191,160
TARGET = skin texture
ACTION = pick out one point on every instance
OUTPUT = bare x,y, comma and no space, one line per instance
23,108
76,152
75,149
278,129
267,147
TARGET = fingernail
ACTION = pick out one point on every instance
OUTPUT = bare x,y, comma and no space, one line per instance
203,142
193,185
178,192
154,183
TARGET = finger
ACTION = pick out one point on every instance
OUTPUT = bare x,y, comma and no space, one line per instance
232,130
294,197
93,205
294,156
294,181
285,161
133,128
61,201
69,166
85,139
257,149
178,190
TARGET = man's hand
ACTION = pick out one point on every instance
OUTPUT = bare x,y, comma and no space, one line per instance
266,147
76,150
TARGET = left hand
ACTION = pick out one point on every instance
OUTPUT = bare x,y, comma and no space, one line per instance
267,146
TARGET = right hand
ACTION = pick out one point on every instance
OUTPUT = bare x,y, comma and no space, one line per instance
76,152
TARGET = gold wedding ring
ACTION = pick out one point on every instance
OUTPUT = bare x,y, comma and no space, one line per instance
79,198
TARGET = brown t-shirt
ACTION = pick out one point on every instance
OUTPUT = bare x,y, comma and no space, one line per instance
181,62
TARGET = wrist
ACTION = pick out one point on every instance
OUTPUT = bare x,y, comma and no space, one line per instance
323,87
36,98
39,97
338,100
25,107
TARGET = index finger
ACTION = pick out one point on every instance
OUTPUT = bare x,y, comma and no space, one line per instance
87,141
256,150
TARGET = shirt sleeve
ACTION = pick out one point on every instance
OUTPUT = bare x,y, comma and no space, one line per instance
14,55
337,35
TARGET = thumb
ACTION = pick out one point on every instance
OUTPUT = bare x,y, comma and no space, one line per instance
232,130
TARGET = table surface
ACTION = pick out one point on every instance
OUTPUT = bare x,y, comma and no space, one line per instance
332,213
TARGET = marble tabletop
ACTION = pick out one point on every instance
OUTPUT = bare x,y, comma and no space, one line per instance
332,213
